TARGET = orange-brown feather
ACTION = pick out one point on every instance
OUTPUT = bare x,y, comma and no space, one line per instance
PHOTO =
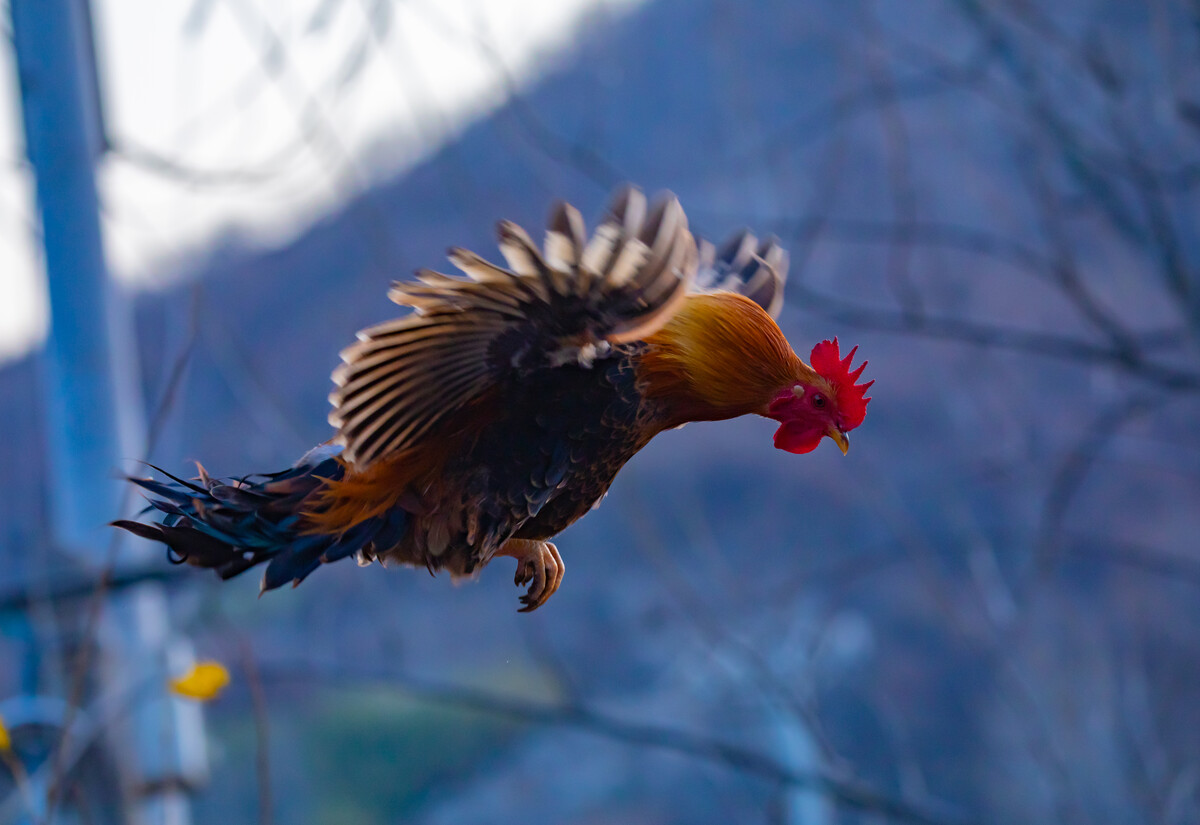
403,479
719,357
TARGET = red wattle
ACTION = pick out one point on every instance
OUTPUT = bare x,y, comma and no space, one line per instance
797,438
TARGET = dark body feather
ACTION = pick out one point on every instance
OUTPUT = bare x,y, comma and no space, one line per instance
557,442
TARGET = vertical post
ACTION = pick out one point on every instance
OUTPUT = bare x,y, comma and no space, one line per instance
90,432
92,405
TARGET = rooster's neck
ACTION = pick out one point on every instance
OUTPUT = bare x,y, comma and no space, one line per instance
719,357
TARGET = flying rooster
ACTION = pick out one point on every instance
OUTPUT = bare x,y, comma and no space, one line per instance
500,410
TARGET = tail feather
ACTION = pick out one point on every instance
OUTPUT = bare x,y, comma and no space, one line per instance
744,265
231,525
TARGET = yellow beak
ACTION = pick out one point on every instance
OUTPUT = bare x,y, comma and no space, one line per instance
840,439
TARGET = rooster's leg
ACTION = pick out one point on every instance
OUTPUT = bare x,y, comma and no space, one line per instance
539,564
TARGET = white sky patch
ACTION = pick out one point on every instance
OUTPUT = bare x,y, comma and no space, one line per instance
283,109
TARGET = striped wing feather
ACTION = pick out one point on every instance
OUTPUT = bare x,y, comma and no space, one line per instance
565,303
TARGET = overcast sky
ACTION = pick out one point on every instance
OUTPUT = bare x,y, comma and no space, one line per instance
259,115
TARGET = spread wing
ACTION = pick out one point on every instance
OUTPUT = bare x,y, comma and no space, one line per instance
744,265
566,303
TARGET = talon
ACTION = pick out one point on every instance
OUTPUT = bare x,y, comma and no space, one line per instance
538,564
524,573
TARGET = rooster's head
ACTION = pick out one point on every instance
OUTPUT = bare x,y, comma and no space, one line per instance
826,402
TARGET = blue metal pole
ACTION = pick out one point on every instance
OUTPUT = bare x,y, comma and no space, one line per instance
93,408
90,433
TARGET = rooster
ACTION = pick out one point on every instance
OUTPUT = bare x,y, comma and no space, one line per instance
500,410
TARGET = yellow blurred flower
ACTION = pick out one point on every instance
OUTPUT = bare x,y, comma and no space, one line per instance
5,739
203,682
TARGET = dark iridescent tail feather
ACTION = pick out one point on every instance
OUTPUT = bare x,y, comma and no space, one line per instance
231,525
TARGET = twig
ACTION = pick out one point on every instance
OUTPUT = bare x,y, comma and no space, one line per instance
850,794
898,159
21,778
83,659
144,157
1075,469
718,638
317,128
262,735
65,589
579,156
1173,566
862,100
85,733
983,334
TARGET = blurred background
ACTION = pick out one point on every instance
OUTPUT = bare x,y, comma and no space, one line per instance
987,613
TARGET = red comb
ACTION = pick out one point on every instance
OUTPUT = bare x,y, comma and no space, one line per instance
851,397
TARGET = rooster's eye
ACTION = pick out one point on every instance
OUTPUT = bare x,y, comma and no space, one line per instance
818,401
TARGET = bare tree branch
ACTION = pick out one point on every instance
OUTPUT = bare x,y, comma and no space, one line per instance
1075,469
851,794
983,334
262,735
83,658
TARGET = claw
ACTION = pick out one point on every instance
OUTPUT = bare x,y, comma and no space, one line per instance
524,573
538,564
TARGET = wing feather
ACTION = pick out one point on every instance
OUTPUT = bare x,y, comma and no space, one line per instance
402,419
566,236
547,308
